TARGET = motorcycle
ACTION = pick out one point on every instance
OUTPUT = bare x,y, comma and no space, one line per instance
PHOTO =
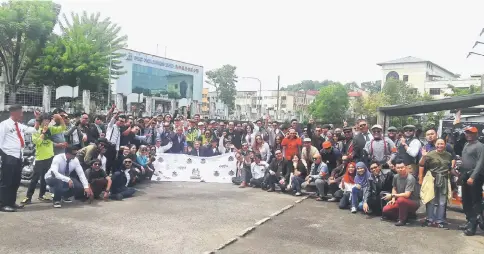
28,162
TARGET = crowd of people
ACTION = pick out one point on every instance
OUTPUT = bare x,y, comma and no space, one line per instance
363,169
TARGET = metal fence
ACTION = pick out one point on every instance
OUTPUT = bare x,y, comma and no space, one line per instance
29,95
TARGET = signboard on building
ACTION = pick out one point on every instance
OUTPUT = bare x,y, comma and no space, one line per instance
155,76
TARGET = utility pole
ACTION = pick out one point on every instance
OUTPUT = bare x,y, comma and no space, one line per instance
278,85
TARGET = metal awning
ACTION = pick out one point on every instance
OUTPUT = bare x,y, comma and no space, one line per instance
451,103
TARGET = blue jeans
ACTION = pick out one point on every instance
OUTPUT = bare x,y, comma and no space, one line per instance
436,207
61,189
356,197
296,183
126,192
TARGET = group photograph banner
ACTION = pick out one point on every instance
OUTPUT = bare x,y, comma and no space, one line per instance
186,168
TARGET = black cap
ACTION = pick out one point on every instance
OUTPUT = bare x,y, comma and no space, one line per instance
102,141
347,128
326,126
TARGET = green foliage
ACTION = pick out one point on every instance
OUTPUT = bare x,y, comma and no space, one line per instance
399,92
224,79
367,106
352,86
308,85
331,104
456,91
371,86
82,54
25,27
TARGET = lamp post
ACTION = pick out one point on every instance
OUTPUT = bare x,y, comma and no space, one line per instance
260,92
109,78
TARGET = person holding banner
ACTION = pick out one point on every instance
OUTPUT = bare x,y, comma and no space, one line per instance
196,151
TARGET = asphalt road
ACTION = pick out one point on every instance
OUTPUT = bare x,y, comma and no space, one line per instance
201,217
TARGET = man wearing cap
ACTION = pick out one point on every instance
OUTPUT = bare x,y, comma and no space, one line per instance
308,151
91,152
330,155
211,149
408,149
392,134
44,153
98,180
380,149
472,175
348,142
60,181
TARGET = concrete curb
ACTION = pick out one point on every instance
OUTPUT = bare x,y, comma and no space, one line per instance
258,223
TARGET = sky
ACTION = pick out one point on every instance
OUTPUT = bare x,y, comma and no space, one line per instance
299,40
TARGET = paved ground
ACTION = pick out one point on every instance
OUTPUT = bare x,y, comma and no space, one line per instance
200,217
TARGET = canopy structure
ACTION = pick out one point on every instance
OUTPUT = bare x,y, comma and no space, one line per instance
450,103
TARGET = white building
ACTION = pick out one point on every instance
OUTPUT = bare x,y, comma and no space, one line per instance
425,76
292,104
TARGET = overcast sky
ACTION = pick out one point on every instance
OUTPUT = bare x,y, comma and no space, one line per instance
299,40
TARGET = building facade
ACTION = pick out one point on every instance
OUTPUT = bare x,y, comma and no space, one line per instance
425,76
253,105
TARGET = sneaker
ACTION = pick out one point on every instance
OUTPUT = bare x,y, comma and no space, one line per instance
26,201
270,190
442,225
66,200
44,198
332,200
400,223
57,204
426,223
353,210
298,193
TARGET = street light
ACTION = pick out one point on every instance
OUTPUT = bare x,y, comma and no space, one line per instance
110,65
474,53
260,92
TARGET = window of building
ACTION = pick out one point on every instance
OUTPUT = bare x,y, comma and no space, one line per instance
405,78
434,91
283,97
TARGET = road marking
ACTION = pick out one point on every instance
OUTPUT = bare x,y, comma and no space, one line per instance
248,230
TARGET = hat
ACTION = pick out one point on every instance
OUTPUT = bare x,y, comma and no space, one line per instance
212,122
406,127
200,123
392,128
102,141
158,140
307,140
326,126
377,126
471,129
326,145
192,120
347,128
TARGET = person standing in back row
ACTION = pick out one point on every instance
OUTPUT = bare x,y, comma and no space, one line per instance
472,175
12,143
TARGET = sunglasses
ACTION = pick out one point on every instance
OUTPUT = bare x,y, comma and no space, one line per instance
362,125
127,162
96,164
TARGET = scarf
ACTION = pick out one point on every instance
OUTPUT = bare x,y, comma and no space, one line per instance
362,180
349,178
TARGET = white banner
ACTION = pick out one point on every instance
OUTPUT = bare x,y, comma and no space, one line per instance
185,168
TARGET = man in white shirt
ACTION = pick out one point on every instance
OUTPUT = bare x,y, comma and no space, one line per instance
60,181
113,135
258,169
12,142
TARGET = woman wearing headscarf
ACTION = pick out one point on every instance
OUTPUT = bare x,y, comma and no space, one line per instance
347,185
361,183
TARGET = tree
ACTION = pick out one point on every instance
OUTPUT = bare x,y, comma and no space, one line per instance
457,91
352,86
307,85
83,53
366,107
331,104
371,86
399,92
25,27
224,79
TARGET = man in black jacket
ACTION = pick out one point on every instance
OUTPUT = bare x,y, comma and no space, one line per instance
277,172
379,182
234,135
360,141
